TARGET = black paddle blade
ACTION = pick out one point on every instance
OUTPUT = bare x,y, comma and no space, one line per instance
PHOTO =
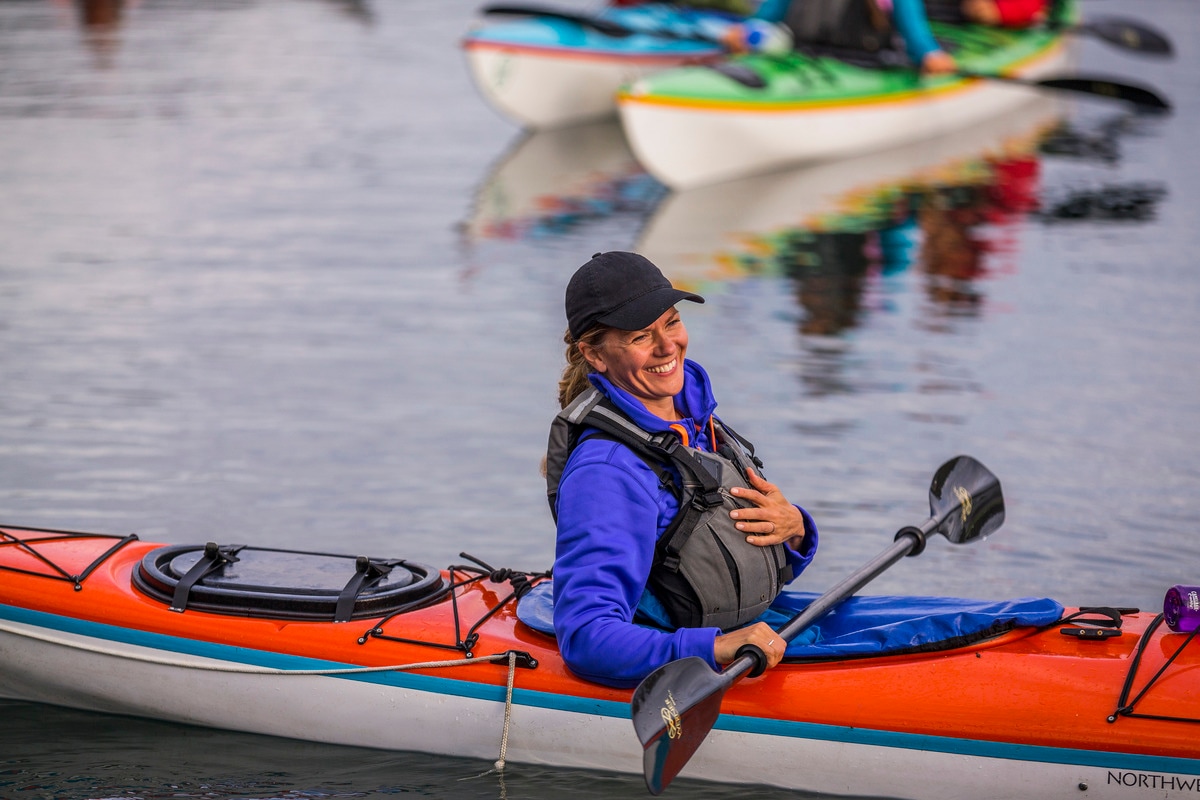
1129,35
673,710
597,24
965,500
1100,87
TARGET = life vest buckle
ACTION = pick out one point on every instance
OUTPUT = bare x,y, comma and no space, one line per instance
702,501
667,441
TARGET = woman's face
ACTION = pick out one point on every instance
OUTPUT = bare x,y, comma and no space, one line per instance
647,363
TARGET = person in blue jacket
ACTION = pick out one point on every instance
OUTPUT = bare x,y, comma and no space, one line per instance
907,17
626,339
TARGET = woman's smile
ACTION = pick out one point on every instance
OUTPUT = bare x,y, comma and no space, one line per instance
665,368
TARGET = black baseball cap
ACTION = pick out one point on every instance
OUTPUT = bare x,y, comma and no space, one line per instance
621,290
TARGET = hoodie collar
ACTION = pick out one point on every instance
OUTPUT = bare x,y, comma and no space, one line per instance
695,402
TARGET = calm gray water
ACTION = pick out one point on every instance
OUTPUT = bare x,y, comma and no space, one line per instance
273,272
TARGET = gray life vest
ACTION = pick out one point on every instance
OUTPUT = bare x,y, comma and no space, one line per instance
705,573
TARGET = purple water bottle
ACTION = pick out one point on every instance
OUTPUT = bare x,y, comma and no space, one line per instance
1181,608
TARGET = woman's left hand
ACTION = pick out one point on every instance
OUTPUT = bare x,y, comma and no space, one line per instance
772,519
938,62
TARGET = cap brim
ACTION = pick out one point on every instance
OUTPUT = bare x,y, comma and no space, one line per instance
641,312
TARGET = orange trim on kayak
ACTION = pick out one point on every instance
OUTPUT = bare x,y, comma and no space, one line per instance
801,105
786,106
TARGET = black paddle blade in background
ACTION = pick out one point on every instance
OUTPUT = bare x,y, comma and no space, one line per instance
1129,35
597,24
674,709
965,499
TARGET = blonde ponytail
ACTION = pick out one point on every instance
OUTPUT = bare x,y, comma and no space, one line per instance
574,378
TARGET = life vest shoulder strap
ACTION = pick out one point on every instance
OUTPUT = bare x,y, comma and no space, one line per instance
700,489
591,409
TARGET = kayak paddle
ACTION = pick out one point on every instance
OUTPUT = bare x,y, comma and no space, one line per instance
1081,84
1126,34
675,706
607,27
1084,84
1119,31
597,24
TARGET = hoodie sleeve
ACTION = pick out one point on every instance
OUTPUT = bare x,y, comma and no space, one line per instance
608,519
913,26
800,559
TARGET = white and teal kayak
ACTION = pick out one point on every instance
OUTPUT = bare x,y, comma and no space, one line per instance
553,68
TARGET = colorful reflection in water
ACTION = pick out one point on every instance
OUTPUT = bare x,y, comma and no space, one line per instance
950,208
956,226
551,183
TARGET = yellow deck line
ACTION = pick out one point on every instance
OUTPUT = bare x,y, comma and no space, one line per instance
784,106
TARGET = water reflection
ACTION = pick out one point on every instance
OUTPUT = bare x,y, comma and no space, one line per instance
109,756
952,218
950,208
831,226
923,225
101,21
1099,143
1135,202
552,182
360,10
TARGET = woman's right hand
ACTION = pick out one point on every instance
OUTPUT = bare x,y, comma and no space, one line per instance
759,634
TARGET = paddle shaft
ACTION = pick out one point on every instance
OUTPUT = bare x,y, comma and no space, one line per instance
742,73
905,542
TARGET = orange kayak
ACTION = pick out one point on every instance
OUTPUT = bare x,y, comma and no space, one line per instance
395,655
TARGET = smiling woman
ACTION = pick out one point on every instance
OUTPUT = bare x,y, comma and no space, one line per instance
670,543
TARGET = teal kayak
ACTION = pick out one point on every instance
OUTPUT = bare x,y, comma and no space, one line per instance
557,68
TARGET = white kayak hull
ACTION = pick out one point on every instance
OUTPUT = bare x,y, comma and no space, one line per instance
695,144
190,682
554,89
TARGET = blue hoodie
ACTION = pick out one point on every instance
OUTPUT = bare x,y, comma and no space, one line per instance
608,502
